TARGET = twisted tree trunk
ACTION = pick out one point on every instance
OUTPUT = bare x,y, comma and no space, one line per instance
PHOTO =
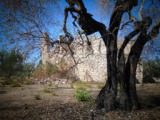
121,71
107,96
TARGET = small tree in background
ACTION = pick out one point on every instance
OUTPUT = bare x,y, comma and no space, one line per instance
10,63
151,70
28,69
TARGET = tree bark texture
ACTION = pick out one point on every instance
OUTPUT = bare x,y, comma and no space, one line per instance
118,68
107,96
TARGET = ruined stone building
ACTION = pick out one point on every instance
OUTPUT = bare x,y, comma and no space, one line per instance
88,63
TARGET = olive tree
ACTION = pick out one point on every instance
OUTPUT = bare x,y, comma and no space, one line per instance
119,69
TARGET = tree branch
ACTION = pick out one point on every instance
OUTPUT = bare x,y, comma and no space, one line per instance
141,9
141,26
71,9
131,19
126,40
155,31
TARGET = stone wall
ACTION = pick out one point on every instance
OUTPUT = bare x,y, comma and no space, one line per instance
90,60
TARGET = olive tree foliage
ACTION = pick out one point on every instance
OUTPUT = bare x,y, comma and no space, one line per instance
23,22
119,69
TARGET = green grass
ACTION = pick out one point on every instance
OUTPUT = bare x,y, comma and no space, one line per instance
47,90
49,84
100,85
83,84
71,85
56,85
82,94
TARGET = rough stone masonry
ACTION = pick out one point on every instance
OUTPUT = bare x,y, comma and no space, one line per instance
88,63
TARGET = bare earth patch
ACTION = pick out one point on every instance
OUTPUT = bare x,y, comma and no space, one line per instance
17,103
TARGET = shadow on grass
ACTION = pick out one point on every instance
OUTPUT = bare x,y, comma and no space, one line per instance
150,101
2,92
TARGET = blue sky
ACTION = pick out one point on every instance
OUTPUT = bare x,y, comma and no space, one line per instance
92,8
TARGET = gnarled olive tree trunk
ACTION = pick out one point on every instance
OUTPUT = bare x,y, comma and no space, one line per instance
118,69
108,94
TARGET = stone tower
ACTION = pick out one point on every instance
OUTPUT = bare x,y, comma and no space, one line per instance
45,48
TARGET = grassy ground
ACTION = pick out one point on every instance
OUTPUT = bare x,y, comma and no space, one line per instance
57,102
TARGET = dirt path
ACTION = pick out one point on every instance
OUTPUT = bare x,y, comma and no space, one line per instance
59,104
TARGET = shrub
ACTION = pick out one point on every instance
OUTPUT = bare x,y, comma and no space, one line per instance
151,69
15,83
82,94
26,82
11,63
48,70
